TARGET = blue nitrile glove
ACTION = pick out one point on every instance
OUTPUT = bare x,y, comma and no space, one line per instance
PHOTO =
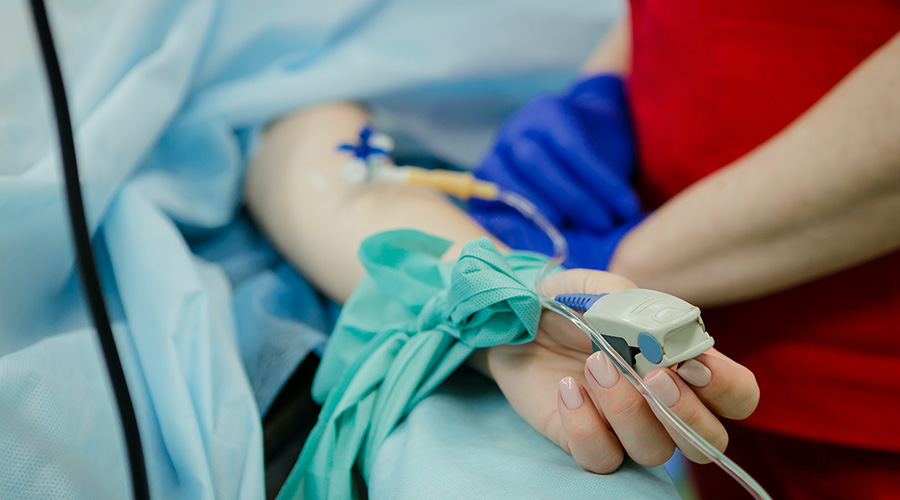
573,156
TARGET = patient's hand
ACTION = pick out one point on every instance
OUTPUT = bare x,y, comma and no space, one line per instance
592,411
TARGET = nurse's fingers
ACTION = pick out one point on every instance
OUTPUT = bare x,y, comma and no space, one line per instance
640,432
588,439
727,387
678,396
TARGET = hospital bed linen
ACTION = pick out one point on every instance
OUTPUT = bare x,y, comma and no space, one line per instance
169,99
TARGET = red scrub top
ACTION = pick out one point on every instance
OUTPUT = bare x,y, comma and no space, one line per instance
712,80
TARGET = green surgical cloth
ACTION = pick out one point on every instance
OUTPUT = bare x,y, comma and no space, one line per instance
404,330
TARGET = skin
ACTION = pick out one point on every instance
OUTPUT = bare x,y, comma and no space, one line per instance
296,193
750,233
615,419
821,196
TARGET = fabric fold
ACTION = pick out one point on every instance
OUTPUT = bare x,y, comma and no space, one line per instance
404,330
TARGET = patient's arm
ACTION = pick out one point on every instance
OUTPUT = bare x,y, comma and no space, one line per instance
296,193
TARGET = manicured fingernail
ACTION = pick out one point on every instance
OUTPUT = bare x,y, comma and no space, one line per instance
664,387
695,373
602,369
571,393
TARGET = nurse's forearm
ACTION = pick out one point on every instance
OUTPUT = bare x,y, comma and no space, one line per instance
613,54
295,192
821,196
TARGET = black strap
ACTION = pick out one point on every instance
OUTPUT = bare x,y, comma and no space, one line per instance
85,254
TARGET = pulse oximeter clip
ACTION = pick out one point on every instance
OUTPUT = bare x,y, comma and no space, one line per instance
649,329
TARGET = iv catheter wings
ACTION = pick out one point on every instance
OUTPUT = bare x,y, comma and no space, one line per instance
369,143
371,150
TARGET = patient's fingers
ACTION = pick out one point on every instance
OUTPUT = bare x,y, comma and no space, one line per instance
560,329
679,397
589,440
640,432
727,387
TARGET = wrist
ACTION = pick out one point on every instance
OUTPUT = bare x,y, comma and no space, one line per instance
479,361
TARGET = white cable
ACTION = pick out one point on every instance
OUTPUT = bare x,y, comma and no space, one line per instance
560,249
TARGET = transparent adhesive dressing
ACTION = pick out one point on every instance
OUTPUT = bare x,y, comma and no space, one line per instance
669,419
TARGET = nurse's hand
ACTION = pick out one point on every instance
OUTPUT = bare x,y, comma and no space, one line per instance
571,154
581,402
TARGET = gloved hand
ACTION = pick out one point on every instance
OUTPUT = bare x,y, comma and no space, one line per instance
573,156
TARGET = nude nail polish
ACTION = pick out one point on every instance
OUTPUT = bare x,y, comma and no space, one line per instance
571,393
602,369
695,373
662,385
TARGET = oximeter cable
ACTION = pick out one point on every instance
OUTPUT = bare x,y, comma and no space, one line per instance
85,255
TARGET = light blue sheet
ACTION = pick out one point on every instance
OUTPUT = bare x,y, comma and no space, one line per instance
467,427
168,99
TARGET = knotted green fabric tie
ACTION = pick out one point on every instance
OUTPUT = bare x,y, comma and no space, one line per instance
407,326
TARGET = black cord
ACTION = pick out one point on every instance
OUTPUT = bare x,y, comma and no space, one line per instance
86,263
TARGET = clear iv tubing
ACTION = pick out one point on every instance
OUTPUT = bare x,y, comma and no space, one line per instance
561,250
